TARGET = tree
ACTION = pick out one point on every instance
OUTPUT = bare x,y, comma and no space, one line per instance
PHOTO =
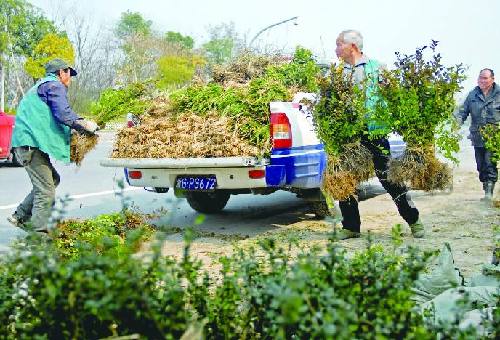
95,59
132,23
22,27
50,47
138,45
142,50
185,42
97,52
219,50
176,70
224,43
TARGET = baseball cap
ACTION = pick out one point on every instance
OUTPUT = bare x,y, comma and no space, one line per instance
59,64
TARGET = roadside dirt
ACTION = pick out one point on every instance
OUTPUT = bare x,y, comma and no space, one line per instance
457,217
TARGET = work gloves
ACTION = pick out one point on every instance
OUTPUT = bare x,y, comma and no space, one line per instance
87,126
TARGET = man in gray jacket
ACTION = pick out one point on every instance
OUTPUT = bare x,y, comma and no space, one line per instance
483,106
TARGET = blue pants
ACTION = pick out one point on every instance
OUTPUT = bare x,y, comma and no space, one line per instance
487,169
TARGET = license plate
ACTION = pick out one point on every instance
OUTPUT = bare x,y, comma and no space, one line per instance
196,183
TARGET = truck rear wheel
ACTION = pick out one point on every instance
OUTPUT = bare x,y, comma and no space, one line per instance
319,209
207,202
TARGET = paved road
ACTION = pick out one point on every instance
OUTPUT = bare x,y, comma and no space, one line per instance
92,190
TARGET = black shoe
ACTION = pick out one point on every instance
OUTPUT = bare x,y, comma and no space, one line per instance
16,222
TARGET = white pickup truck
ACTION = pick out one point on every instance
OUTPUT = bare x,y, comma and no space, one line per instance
296,164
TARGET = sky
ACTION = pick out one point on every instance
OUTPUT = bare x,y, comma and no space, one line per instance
468,31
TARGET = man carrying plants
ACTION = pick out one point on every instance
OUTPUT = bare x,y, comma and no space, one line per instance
483,106
365,73
43,129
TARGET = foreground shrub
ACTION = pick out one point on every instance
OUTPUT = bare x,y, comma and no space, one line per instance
93,296
329,296
119,233
263,293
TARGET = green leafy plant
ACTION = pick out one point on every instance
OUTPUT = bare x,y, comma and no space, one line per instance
115,103
491,137
339,115
268,291
418,99
93,296
118,233
302,72
340,118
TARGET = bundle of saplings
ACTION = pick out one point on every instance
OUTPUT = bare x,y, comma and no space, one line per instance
219,119
418,102
491,137
340,121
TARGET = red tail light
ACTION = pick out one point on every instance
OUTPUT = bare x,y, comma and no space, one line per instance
135,174
256,174
281,132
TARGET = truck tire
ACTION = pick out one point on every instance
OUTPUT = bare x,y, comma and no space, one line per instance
207,202
319,209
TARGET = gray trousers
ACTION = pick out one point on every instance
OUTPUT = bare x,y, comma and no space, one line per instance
37,206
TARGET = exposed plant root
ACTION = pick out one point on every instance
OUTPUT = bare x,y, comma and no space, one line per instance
345,172
419,169
188,135
81,144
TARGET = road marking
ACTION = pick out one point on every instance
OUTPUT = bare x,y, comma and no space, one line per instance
80,196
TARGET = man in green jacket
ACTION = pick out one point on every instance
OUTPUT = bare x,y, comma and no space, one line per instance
44,120
365,72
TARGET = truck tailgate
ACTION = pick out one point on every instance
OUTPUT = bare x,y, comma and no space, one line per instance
182,163
230,172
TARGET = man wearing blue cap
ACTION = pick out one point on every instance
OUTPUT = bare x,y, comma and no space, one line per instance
44,120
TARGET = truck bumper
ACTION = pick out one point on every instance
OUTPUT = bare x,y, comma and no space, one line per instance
227,178
303,166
